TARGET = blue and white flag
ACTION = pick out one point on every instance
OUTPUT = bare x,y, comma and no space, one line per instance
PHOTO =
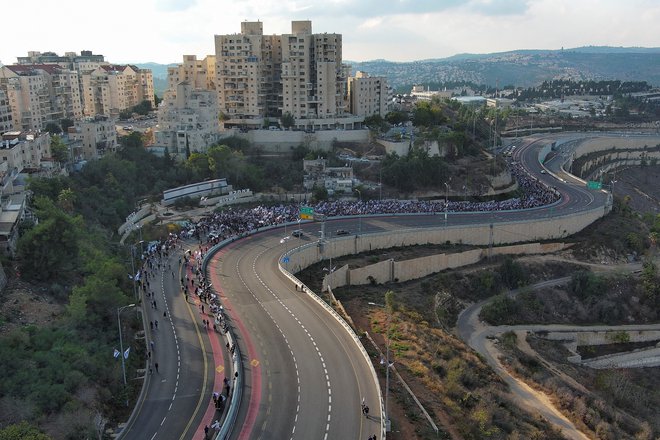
126,352
116,354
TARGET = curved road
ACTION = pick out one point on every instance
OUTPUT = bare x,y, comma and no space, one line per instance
304,375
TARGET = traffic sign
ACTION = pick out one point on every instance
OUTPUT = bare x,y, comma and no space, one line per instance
592,184
285,259
306,213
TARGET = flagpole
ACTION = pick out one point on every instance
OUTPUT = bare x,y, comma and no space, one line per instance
121,344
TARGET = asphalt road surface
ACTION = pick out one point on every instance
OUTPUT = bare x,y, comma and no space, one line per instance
305,378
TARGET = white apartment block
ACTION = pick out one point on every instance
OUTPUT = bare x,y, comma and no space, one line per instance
199,73
97,137
188,120
86,61
265,76
109,89
368,95
40,93
24,150
6,119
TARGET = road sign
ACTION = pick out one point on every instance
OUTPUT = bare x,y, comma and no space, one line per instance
306,213
592,184
285,260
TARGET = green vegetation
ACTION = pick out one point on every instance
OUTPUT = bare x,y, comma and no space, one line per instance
142,108
58,149
414,171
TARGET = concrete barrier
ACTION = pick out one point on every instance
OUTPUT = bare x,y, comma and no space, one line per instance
412,269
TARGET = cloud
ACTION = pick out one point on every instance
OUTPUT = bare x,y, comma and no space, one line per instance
174,5
366,9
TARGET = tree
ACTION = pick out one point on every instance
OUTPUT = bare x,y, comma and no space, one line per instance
65,124
287,120
49,251
376,123
22,431
53,128
396,117
58,149
319,193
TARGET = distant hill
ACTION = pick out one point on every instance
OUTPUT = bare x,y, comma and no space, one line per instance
158,70
524,68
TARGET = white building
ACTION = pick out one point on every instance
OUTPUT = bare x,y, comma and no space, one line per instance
368,95
97,137
188,120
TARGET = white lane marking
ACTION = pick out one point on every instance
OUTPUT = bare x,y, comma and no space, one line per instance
279,300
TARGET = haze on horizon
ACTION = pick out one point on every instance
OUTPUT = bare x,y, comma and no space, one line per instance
398,30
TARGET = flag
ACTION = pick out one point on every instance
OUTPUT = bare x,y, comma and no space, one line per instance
116,353
137,276
126,352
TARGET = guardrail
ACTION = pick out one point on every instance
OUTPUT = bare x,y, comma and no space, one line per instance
347,327
237,364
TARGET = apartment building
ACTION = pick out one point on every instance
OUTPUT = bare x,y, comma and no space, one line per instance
265,76
40,93
111,88
6,119
199,73
86,61
95,137
368,95
188,119
24,150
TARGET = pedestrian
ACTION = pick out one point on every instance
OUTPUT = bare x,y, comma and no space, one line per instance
156,323
366,408
149,355
156,367
152,345
164,314
206,432
151,324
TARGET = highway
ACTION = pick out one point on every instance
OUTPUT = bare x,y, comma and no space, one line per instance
176,397
305,377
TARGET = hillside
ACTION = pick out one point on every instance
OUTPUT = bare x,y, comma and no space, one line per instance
524,68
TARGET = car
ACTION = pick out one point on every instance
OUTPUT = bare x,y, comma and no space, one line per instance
298,233
542,171
341,232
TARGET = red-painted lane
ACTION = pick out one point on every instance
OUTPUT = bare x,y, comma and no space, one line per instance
255,374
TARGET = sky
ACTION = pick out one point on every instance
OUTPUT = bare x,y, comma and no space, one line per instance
162,31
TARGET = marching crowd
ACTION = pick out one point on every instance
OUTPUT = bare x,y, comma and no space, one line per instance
236,222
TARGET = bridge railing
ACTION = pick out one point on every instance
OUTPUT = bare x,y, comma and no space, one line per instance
346,326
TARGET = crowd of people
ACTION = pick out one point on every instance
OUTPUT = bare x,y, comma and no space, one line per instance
236,222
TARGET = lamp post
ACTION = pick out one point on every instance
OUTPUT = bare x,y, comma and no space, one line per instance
388,364
359,212
121,343
446,201
380,181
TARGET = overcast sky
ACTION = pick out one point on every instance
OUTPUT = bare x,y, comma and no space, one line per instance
399,30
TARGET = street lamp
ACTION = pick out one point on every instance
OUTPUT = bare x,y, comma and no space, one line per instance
121,343
388,364
446,200
359,212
